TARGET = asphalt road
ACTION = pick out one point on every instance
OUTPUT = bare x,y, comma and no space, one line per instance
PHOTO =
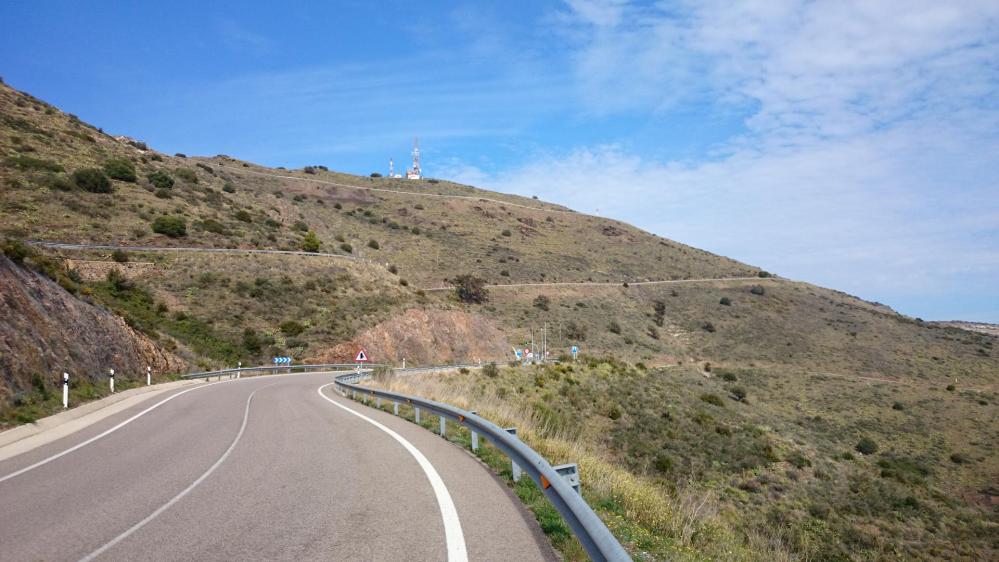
264,468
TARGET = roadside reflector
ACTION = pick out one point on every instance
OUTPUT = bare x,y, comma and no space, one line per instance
545,483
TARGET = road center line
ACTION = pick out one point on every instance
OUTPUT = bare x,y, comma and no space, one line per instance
131,419
105,433
178,497
449,514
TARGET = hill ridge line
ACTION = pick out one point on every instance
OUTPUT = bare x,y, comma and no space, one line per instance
417,193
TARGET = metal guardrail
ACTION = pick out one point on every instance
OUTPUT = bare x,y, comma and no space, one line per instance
595,537
283,368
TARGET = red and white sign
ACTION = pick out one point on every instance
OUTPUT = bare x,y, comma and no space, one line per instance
362,356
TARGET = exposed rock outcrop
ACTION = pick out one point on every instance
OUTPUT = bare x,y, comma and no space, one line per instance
425,337
45,330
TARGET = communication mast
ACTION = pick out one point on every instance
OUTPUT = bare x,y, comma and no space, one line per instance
414,173
391,169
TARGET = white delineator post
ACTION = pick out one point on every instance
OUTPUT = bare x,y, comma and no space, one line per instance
239,366
65,390
149,376
112,381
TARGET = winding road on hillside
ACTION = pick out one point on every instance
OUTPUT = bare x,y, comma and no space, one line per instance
555,284
264,468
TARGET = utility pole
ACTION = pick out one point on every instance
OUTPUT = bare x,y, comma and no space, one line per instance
534,355
544,345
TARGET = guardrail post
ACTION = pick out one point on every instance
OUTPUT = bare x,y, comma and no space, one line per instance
417,410
569,473
475,436
514,468
443,426
395,408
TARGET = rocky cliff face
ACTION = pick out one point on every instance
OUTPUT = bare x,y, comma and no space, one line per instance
426,337
45,330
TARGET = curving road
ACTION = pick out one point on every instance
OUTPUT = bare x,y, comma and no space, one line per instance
264,468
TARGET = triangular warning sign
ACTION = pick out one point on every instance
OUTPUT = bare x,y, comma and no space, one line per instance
362,356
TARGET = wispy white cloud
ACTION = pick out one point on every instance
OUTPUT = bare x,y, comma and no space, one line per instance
867,160
238,38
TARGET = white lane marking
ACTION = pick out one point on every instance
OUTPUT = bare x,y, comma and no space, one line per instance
452,525
106,433
133,418
178,497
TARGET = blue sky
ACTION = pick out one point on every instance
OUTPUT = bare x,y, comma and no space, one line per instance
854,145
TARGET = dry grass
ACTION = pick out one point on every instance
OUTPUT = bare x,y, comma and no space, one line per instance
686,518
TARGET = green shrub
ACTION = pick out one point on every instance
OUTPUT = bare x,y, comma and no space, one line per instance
375,175
215,227
186,174
120,169
950,388
92,180
120,256
163,193
713,399
542,302
729,376
758,290
346,247
393,269
725,301
117,282
615,412
866,446
663,463
708,327
292,328
171,226
505,273
613,327
490,370
229,188
470,289
28,163
300,226
16,250
251,341
243,215
506,233
311,243
161,180
898,406
958,458
373,244
738,392
404,283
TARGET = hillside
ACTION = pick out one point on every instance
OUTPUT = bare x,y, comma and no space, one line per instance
822,369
